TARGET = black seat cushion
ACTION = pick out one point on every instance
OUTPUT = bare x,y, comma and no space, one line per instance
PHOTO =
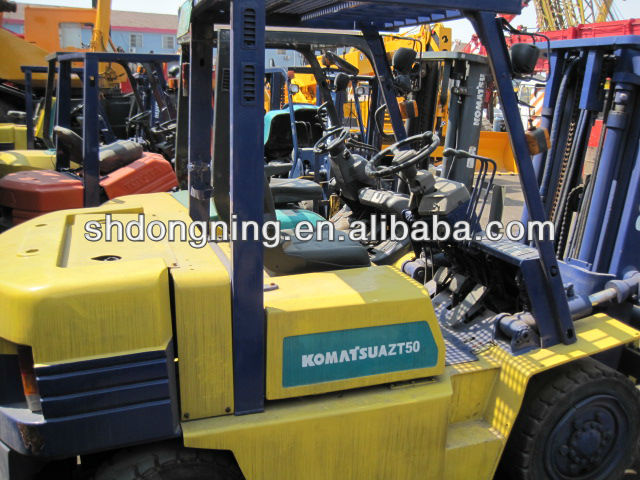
70,142
292,190
277,168
118,154
112,156
294,256
280,141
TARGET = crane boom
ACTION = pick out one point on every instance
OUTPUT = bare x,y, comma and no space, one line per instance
561,14
100,35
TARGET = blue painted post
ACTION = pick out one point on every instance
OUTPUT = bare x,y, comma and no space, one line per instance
182,128
294,130
28,107
556,63
63,107
559,328
90,132
617,129
247,188
200,120
383,71
372,135
356,101
48,103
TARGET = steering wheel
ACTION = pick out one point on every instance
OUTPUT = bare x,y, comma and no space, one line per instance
373,168
139,117
342,63
322,146
168,124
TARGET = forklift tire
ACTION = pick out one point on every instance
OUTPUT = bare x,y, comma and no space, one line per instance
169,461
578,421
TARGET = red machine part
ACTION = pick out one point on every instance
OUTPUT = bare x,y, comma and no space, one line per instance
29,194
592,30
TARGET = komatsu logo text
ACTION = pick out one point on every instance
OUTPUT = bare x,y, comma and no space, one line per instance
477,115
358,353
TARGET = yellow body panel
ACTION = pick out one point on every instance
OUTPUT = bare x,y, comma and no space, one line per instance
453,427
95,308
18,160
494,145
16,52
342,300
8,348
13,134
470,448
202,298
375,433
107,308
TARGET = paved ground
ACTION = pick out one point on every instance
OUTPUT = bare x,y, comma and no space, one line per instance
513,199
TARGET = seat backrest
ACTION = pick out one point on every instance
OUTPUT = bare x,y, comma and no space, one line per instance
70,142
118,154
278,141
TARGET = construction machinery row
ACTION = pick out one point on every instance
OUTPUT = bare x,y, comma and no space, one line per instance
338,356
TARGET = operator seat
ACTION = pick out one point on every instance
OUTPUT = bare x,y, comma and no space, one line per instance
278,144
293,190
278,140
112,157
292,255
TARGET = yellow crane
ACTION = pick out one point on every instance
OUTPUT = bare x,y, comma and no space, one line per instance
561,14
100,36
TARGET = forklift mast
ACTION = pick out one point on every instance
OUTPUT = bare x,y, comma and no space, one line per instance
457,82
591,194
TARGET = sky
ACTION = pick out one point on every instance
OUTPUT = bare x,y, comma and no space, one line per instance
462,30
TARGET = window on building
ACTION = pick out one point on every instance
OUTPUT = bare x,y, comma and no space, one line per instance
135,42
72,34
169,42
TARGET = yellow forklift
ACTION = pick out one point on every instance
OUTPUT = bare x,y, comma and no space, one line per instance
156,359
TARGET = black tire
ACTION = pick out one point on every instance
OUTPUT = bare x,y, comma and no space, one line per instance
579,421
169,461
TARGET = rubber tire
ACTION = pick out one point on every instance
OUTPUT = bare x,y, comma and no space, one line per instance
169,461
551,395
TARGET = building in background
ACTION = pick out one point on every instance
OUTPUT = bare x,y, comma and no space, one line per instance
131,31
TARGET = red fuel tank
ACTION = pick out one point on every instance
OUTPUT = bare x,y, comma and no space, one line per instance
27,194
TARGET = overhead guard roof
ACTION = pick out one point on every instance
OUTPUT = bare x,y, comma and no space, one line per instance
380,14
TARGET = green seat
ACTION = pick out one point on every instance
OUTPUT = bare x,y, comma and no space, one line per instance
288,217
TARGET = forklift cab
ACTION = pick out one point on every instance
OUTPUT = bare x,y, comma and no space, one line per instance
287,150
235,169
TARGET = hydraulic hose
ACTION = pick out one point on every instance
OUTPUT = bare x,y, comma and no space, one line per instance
380,124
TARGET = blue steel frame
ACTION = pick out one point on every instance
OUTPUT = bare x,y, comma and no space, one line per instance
28,102
558,327
609,243
248,19
90,91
